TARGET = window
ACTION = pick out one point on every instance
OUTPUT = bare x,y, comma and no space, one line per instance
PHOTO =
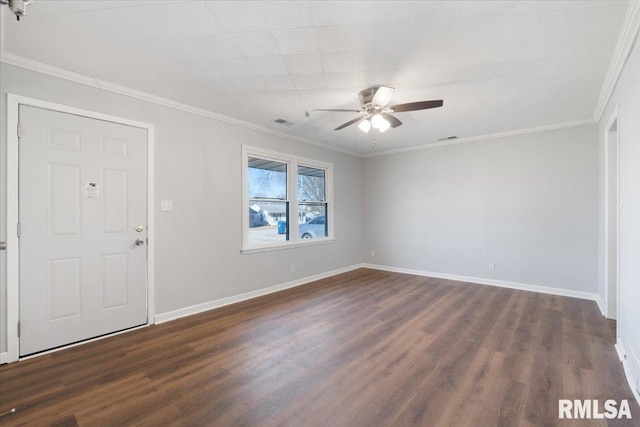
286,200
312,202
268,202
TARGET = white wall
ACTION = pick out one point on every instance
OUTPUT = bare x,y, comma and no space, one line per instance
626,97
198,166
527,203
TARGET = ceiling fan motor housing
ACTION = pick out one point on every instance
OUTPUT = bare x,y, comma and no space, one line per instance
366,97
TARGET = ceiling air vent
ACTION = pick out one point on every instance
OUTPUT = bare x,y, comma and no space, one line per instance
283,122
448,138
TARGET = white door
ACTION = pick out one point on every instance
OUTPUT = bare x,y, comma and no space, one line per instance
82,202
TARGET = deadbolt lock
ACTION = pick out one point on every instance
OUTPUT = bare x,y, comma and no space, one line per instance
139,228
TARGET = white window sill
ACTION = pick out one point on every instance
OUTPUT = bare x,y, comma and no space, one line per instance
287,245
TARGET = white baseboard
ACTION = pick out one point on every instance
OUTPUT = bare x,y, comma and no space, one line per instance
601,305
4,358
631,365
490,282
210,305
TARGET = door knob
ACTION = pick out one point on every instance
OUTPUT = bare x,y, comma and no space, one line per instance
139,242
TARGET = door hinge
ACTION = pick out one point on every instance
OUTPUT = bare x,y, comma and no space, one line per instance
19,130
18,329
18,230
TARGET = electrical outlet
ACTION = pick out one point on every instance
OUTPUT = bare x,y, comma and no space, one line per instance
292,268
492,266
373,253
166,205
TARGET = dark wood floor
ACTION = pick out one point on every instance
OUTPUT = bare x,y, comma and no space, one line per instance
365,348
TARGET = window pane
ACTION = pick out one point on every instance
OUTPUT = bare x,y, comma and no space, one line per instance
268,222
267,179
312,220
311,184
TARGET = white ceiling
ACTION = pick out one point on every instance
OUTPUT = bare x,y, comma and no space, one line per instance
498,65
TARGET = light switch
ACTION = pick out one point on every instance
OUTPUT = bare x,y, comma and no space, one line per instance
166,205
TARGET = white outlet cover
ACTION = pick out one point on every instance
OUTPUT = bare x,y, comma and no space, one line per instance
166,205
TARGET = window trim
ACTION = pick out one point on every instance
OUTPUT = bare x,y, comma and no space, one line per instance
292,162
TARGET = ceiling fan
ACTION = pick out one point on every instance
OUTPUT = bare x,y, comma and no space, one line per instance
376,112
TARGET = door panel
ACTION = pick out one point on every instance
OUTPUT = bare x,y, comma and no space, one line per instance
82,192
114,280
64,201
64,288
114,208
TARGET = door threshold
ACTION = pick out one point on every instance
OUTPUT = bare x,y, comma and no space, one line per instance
78,343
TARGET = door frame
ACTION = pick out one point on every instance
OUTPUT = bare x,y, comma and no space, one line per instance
614,118
13,249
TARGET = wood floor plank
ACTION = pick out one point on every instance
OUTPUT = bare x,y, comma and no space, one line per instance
364,348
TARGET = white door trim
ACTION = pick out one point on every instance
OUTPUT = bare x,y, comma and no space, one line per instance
615,116
13,260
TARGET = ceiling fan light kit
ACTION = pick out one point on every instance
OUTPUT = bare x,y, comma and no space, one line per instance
378,122
365,126
376,111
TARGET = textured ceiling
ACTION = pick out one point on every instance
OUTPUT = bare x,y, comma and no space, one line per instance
499,65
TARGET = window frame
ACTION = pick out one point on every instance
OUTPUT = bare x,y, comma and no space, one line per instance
292,162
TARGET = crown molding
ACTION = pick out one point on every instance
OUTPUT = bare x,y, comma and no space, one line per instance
536,129
624,46
29,64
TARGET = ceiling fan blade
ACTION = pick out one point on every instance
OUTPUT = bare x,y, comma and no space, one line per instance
413,106
332,109
349,123
383,96
392,120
